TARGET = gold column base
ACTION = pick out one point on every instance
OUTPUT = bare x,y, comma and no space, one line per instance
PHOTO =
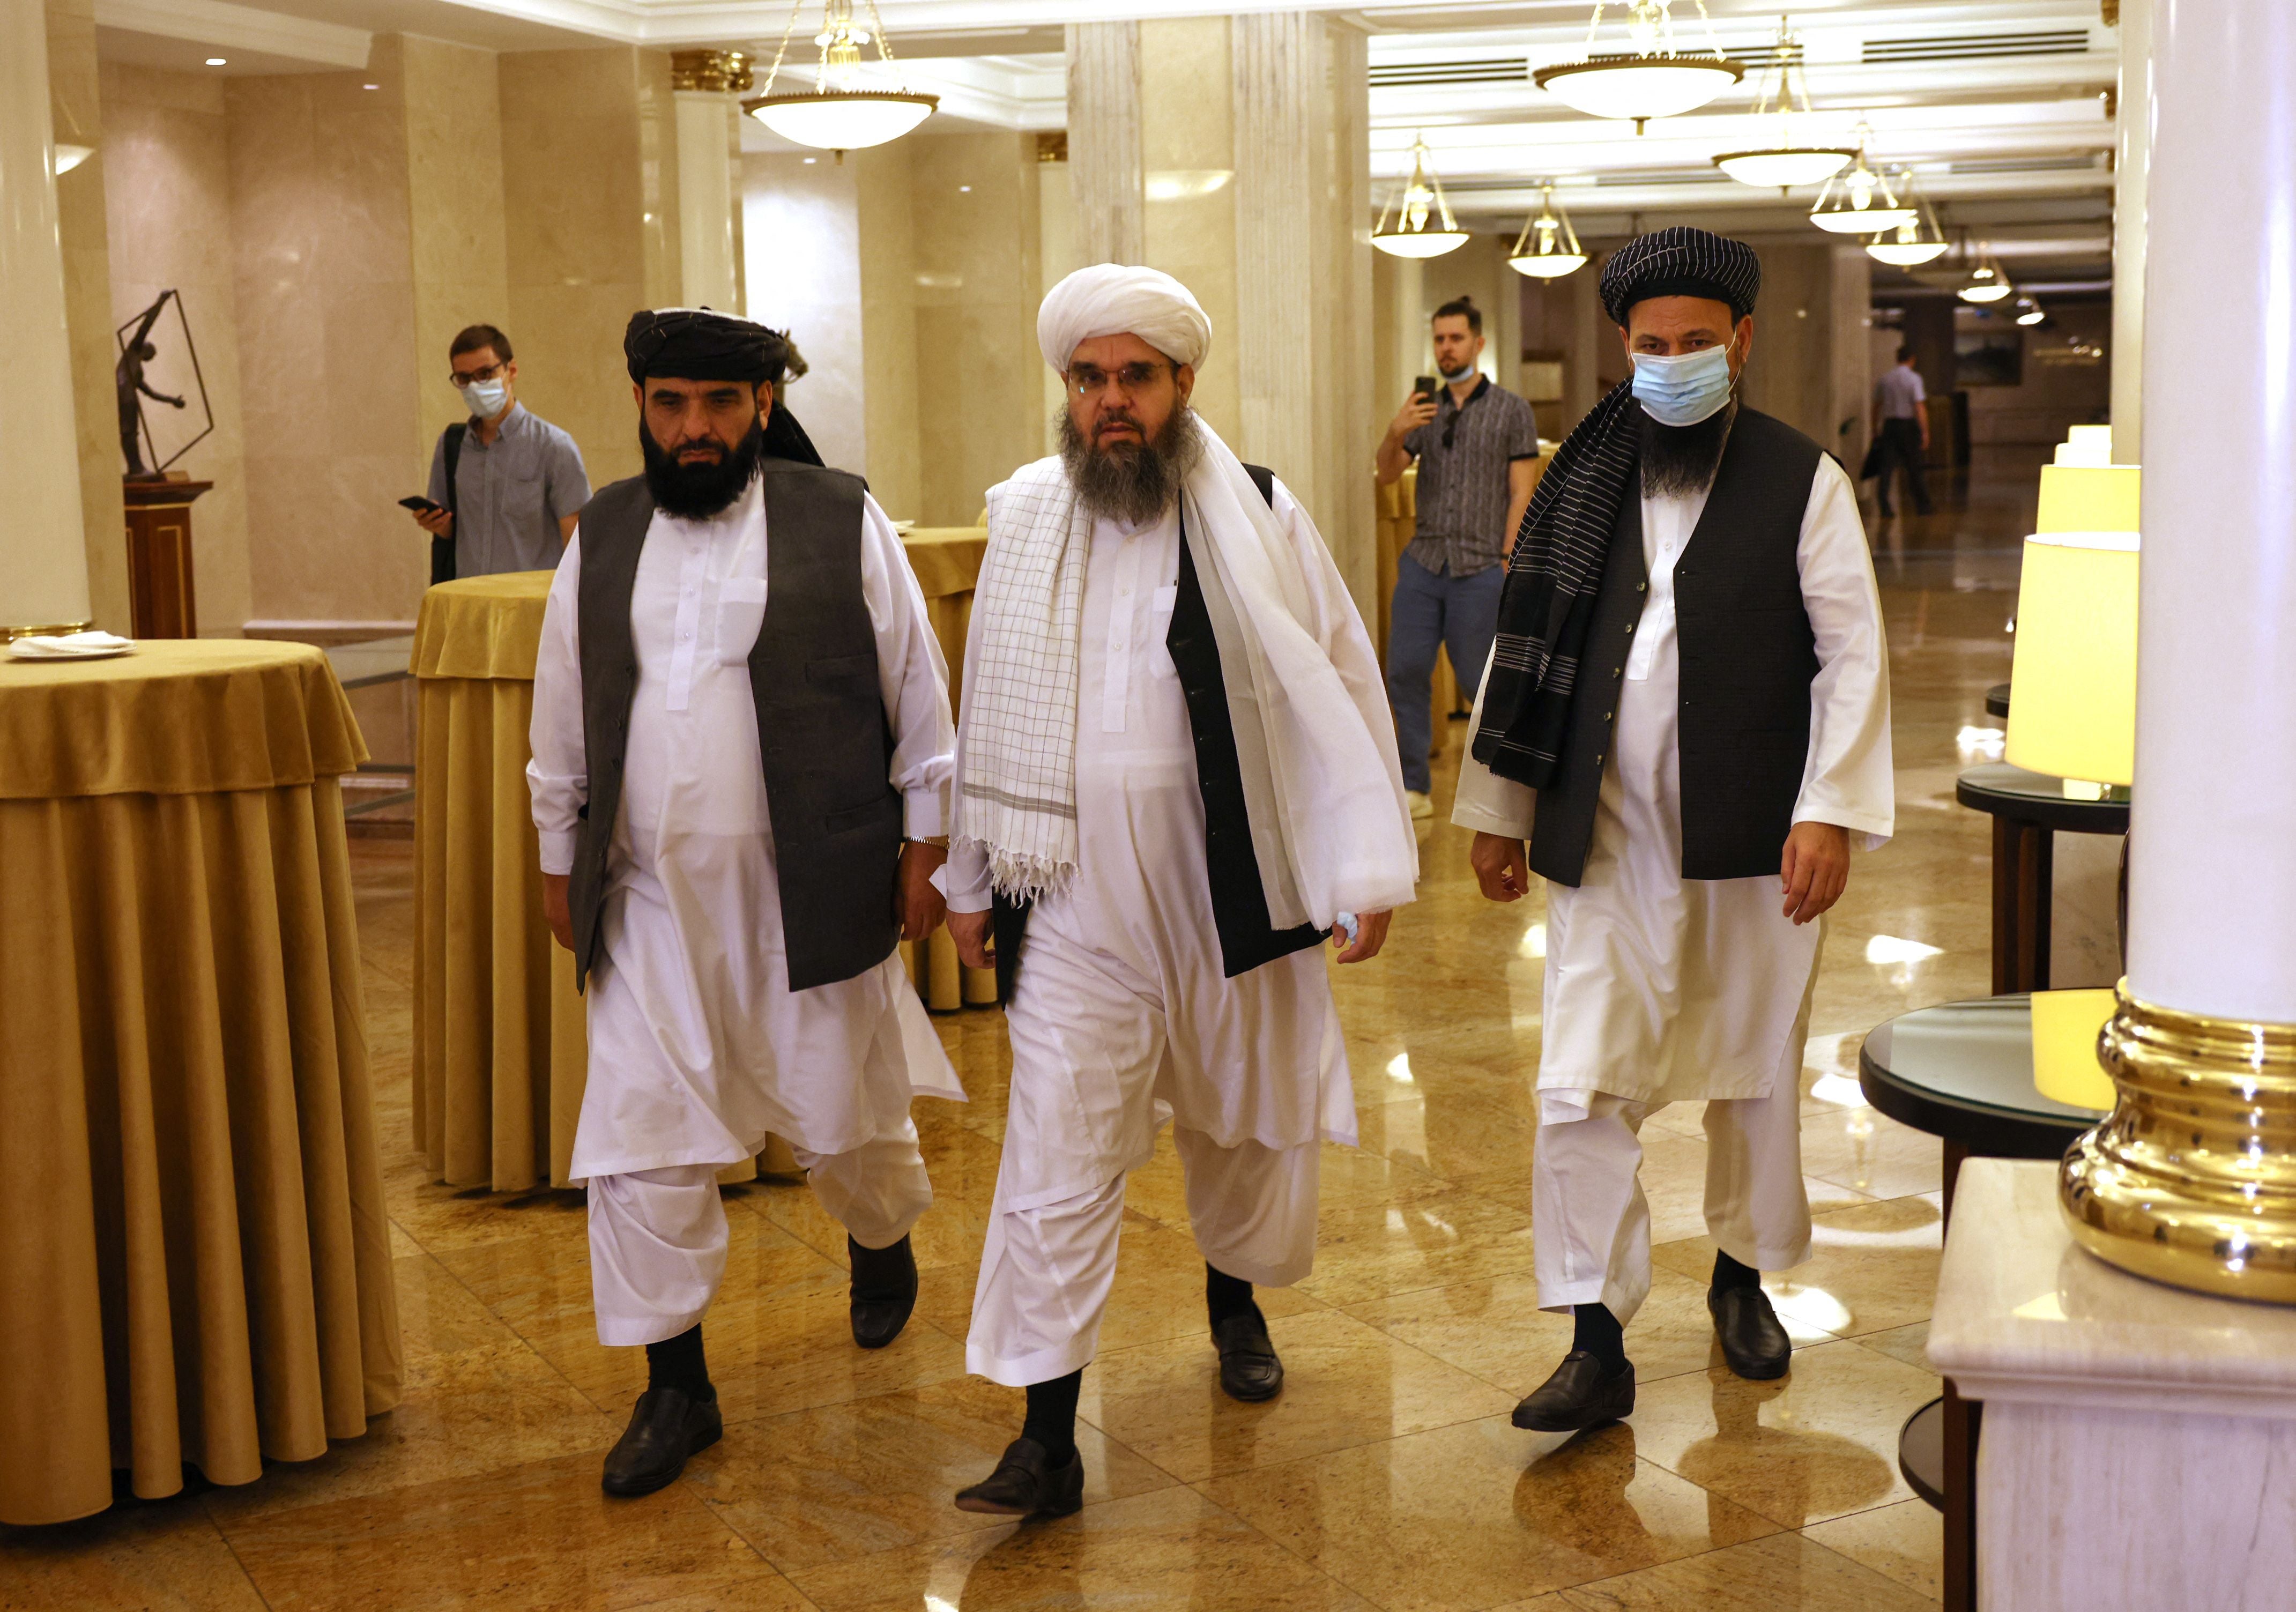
2192,1180
62,629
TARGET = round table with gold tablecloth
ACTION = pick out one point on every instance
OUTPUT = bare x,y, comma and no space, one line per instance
194,1258
501,1051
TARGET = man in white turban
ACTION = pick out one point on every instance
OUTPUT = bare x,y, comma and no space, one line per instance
1176,776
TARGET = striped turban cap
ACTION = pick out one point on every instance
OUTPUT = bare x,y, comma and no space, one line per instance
1682,262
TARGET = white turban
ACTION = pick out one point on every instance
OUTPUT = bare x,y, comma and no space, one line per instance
1116,299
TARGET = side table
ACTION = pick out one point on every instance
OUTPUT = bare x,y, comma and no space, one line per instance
2029,811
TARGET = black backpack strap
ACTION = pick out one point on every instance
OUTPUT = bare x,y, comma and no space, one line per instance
1264,479
442,549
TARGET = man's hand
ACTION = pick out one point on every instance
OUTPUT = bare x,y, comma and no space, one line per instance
1814,870
1371,934
438,523
921,904
1501,867
970,930
1417,410
556,911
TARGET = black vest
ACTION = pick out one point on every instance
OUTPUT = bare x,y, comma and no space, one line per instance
1247,935
821,729
1747,655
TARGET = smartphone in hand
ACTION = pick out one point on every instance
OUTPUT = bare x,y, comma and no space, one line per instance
421,506
1425,386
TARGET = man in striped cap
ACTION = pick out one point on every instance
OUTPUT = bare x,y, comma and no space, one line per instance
1688,699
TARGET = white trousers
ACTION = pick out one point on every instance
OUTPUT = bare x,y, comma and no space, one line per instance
658,1237
1046,1271
1591,1222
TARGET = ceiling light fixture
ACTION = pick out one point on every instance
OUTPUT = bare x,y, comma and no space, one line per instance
1920,239
70,157
218,62
1785,164
841,114
1548,248
1846,205
1650,78
1987,283
1417,221
2032,314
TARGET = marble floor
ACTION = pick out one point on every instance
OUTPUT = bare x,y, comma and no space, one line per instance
1385,1477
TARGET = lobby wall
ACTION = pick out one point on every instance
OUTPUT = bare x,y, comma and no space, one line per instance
806,278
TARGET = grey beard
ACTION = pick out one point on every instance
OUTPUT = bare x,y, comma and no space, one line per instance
1680,460
1132,483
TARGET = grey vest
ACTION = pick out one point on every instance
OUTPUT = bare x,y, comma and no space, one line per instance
821,728
1747,655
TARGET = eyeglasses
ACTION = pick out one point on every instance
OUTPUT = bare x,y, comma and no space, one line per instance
1086,379
475,377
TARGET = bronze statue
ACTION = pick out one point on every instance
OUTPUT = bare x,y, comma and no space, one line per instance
129,380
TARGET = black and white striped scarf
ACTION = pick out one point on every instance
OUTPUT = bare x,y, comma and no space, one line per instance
1547,606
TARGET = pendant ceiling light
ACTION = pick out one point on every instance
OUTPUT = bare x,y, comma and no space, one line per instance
842,111
1549,247
1785,164
1417,222
1650,78
2032,314
1987,283
1861,201
1920,239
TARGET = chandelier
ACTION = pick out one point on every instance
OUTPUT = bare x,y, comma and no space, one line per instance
1417,222
1785,164
2032,314
1651,78
1920,239
1549,247
840,113
1986,282
1846,205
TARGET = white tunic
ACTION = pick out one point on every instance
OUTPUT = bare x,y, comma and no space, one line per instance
1258,1058
698,1047
1660,988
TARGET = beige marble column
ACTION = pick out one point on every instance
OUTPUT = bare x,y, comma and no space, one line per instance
43,545
2132,166
709,159
1232,153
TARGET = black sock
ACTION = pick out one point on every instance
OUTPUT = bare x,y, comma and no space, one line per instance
1729,1274
1052,1415
882,1273
1594,1328
1225,1296
677,1363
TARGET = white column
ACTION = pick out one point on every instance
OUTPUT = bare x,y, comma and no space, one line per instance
43,549
1274,237
2212,881
1105,166
2131,168
709,157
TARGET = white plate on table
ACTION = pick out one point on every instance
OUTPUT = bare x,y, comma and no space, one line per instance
102,646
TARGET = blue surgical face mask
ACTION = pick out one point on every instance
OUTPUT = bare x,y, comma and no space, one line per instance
485,398
1687,389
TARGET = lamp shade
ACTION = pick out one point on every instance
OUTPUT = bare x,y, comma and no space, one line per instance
2090,498
2066,1025
2072,684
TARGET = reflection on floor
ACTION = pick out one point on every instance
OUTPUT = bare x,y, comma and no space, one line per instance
1386,1476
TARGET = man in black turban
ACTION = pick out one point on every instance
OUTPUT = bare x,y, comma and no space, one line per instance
742,759
1688,701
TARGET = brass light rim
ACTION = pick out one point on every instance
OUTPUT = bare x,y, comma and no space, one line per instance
1599,64
817,97
1843,152
2192,1179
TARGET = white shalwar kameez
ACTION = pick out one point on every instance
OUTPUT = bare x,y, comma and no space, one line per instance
699,1049
1123,1015
1663,989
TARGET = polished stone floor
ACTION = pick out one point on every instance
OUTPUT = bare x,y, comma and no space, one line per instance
1386,1476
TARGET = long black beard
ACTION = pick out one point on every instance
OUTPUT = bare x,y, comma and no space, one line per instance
1679,460
1132,483
696,491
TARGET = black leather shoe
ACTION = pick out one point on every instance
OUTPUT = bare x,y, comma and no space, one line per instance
1752,1341
1249,1370
884,1292
667,1426
1578,1395
1026,1484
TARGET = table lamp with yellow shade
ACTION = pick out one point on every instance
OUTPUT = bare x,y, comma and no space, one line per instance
2066,1025
2072,684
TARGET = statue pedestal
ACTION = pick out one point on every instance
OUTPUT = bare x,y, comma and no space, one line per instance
162,599
2139,1450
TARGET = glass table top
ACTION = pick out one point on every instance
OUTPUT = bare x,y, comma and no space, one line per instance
1978,1053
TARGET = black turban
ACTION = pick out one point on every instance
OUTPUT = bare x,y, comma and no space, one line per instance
700,344
1681,262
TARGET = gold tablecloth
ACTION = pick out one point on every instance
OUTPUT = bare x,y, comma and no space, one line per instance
501,1051
194,1261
